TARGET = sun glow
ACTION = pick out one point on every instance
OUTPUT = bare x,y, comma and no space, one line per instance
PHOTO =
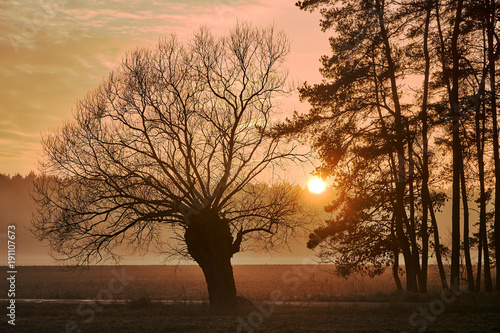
316,185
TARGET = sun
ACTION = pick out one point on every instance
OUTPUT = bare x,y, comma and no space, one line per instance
316,185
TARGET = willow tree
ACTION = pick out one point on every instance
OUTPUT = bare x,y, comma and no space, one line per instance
175,137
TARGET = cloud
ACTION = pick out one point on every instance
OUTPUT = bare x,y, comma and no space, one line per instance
53,51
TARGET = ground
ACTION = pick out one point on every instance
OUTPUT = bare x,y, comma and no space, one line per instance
145,316
122,299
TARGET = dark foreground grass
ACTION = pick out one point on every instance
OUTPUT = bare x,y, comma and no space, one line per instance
142,317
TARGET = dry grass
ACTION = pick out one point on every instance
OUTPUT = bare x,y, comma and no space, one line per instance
255,282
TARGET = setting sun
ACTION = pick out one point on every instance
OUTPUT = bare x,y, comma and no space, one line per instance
316,185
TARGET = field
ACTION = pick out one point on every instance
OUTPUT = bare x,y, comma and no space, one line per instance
255,282
308,299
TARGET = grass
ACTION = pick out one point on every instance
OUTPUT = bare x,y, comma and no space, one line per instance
154,317
254,282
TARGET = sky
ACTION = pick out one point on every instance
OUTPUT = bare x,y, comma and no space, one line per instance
52,52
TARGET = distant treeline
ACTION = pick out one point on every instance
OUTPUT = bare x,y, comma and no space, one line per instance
9,183
16,208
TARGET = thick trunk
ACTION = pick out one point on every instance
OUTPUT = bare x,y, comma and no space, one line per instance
210,244
220,282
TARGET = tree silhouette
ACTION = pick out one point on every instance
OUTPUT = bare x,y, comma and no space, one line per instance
382,149
175,137
365,137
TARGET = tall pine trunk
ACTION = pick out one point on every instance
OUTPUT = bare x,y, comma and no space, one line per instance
424,234
454,106
480,139
480,123
412,228
493,101
392,163
468,261
411,281
457,153
483,242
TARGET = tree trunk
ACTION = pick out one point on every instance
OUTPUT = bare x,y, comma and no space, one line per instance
210,244
493,101
422,279
392,163
395,271
483,240
411,280
412,230
479,259
488,286
437,243
468,262
457,151
220,282
479,121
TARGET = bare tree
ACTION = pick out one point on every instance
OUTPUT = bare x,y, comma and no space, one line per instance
176,137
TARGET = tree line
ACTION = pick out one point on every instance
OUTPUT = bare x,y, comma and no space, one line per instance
407,109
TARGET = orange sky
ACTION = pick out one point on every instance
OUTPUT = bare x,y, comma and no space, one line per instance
53,51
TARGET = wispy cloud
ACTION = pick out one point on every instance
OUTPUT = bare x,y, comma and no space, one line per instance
53,51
